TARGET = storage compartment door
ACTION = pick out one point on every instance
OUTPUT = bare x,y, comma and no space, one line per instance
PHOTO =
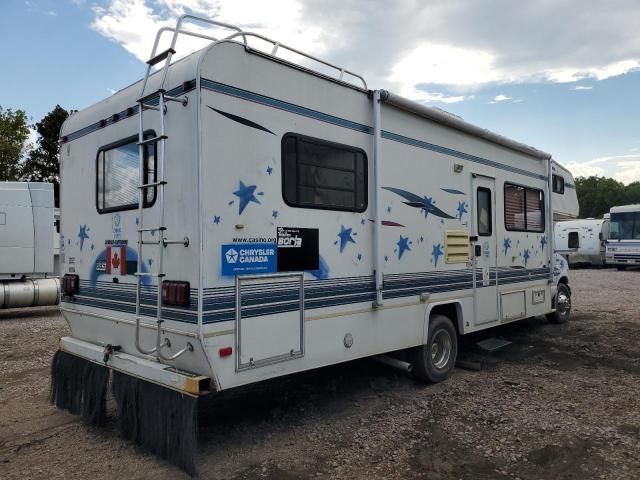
269,319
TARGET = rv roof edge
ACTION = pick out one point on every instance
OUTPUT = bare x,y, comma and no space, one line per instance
453,122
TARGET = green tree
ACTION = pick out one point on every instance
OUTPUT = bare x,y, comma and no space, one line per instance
596,195
14,132
43,163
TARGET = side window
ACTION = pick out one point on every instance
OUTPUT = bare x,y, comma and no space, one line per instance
558,184
321,174
485,220
574,240
118,175
523,209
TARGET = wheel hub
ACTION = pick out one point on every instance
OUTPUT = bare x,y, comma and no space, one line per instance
441,347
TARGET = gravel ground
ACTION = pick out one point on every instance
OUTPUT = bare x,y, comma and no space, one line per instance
560,402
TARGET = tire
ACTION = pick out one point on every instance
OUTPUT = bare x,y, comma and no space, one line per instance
434,362
563,305
621,267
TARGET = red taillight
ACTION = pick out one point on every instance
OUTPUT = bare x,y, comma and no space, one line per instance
176,293
225,352
70,284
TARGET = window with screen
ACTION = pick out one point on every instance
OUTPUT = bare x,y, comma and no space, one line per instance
321,174
523,208
558,184
485,221
118,175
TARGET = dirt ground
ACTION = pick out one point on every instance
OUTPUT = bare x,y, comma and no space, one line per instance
559,402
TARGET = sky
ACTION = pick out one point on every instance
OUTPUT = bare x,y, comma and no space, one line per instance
561,75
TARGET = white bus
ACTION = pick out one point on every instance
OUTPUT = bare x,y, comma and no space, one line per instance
623,245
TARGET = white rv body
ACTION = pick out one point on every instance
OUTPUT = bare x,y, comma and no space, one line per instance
26,246
623,243
225,151
582,241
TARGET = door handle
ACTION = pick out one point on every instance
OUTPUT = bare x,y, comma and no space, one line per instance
477,250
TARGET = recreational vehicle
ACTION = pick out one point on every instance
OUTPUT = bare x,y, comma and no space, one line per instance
26,246
582,242
235,217
623,244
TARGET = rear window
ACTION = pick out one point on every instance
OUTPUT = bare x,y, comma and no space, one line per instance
118,175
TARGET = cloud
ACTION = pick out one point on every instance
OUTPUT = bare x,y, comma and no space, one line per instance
624,168
451,48
500,98
582,87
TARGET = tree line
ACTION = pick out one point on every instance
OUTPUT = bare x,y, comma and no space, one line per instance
596,195
23,161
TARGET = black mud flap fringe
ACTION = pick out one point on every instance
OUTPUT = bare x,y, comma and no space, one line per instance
161,420
79,386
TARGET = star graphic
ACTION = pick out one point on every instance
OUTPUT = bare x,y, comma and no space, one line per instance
427,205
436,252
543,242
345,237
274,214
246,194
526,256
216,219
82,235
506,244
461,210
403,246
269,170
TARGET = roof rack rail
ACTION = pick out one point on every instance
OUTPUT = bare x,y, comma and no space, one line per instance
239,33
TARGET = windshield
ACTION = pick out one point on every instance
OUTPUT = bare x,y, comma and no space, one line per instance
625,226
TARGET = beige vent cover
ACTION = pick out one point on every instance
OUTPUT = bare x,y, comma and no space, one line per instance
456,246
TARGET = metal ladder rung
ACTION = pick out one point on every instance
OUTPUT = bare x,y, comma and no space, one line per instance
152,229
153,184
161,56
153,140
151,95
149,274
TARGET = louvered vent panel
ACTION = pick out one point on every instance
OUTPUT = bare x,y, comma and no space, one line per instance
457,246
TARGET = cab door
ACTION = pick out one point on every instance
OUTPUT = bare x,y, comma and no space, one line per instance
484,251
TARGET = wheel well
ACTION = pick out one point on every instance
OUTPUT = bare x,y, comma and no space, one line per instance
452,311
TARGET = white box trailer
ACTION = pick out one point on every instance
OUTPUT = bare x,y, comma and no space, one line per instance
286,220
623,243
26,246
583,242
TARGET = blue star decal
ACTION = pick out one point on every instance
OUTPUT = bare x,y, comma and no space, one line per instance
269,170
543,242
427,206
403,246
526,256
216,219
461,210
345,237
386,258
562,264
506,244
436,253
323,270
274,214
246,194
82,235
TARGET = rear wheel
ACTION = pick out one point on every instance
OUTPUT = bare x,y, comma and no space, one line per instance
434,362
562,304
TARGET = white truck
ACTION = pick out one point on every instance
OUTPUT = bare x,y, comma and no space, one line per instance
623,244
583,241
27,245
235,217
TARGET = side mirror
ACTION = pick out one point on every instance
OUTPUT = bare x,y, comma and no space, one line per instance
600,236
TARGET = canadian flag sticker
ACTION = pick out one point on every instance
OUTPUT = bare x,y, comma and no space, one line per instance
116,257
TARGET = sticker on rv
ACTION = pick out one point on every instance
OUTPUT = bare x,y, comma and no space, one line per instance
298,249
248,258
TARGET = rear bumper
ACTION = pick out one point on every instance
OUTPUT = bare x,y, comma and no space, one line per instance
142,368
